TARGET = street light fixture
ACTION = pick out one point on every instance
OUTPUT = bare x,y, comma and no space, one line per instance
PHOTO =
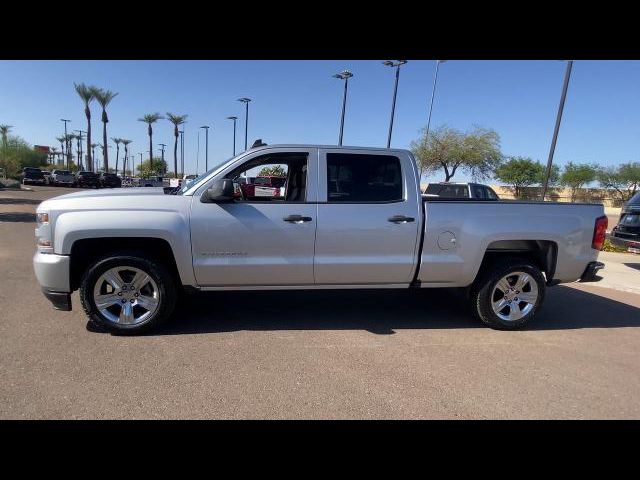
246,101
206,148
234,133
563,96
397,64
344,75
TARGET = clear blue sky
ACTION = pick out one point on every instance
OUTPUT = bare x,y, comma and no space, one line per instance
299,102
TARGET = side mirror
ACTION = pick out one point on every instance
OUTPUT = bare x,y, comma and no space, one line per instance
221,191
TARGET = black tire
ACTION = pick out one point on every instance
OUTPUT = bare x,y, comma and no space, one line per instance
158,272
482,290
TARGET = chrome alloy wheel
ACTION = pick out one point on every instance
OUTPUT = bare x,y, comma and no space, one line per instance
126,295
514,296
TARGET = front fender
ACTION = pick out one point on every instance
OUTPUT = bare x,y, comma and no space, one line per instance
166,225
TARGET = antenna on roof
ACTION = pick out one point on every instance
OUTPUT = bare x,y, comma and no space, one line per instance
258,143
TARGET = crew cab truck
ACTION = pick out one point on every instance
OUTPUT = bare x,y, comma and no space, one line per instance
349,218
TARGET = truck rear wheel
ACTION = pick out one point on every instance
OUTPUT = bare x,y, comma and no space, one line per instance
509,294
127,294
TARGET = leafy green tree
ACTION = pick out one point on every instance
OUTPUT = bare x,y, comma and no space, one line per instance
623,179
150,119
273,171
576,176
176,120
554,175
18,154
152,168
87,95
477,152
104,97
520,172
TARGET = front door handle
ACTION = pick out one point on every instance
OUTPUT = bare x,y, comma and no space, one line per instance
401,219
297,219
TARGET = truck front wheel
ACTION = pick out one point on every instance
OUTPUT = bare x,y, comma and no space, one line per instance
508,294
127,294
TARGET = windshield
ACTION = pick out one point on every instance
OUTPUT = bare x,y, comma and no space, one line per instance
188,183
635,200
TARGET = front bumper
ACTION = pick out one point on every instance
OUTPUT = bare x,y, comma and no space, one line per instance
52,271
590,272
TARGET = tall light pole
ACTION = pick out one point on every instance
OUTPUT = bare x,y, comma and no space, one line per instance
140,153
433,94
234,133
198,153
182,151
206,148
66,139
344,75
563,96
396,64
246,101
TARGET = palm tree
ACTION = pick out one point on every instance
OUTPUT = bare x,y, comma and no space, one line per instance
68,141
126,143
87,94
53,152
149,119
62,140
104,97
117,141
176,120
4,130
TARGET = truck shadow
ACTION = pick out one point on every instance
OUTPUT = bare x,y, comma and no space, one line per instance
379,312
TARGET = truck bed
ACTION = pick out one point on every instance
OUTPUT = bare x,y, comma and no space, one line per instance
458,233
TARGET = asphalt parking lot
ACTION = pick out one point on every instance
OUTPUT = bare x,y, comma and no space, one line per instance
343,354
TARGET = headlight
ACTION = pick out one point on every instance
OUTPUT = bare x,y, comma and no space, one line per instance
43,233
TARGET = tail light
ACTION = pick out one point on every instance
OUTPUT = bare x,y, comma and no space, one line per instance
599,233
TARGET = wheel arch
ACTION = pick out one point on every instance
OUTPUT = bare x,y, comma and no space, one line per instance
541,253
86,251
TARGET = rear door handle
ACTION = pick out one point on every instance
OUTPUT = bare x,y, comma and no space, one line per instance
401,219
297,219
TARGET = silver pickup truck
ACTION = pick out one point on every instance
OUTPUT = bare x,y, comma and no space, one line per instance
347,217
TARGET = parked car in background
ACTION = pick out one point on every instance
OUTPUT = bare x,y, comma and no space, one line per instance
626,234
110,180
461,190
47,177
87,179
151,182
32,175
265,186
62,177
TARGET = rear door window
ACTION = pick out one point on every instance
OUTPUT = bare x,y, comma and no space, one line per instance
363,178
